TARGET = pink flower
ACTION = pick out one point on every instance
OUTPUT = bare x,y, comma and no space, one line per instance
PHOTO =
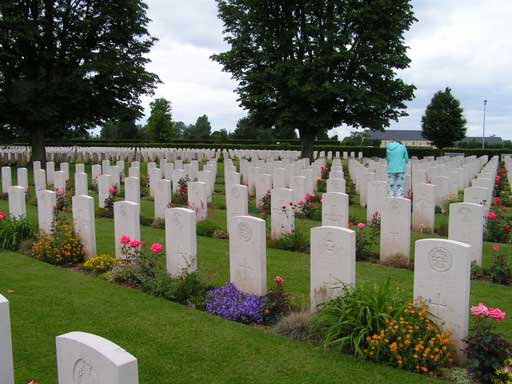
491,216
263,214
310,205
361,225
498,178
125,239
112,190
2,216
307,197
157,248
269,191
135,243
496,314
180,191
278,280
301,202
496,248
480,311
350,224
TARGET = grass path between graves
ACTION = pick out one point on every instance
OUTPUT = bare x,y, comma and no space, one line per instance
173,343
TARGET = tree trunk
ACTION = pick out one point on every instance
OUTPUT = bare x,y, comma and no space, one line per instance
307,144
38,148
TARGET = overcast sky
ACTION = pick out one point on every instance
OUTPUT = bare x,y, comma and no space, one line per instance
463,44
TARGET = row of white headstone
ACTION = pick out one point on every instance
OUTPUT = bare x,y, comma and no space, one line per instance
81,357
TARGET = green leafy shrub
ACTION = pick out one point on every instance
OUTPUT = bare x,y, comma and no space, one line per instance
59,247
346,322
367,241
207,228
185,289
485,349
295,326
100,264
503,375
296,241
13,231
277,302
413,342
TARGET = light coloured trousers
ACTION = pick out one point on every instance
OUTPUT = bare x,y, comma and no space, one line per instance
396,183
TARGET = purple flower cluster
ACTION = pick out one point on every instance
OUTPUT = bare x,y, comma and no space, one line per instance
232,304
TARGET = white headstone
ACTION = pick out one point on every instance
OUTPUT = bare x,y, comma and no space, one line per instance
395,232
377,192
84,358
282,212
333,262
126,222
46,203
263,185
336,185
104,184
17,206
84,224
466,224
6,364
162,197
237,201
247,254
424,208
6,179
198,199
132,189
22,178
81,187
335,209
60,182
442,270
50,172
180,240
95,173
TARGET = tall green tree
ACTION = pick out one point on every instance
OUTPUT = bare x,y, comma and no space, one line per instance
444,123
313,65
202,128
71,65
160,126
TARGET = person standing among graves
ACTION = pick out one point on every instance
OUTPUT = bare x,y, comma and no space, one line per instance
397,157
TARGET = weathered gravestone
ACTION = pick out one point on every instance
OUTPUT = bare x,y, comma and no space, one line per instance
237,201
84,224
6,364
333,263
335,208
126,222
247,254
180,240
466,225
442,270
395,232
84,358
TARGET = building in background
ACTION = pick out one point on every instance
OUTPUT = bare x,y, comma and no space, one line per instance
409,138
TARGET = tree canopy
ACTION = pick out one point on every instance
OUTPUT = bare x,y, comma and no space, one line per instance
160,126
444,123
317,64
66,66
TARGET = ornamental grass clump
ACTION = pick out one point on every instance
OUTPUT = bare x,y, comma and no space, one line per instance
413,342
13,231
230,303
346,322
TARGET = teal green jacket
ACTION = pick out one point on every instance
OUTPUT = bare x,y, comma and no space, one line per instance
397,157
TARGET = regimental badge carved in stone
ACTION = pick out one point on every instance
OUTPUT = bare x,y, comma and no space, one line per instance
245,232
83,373
440,259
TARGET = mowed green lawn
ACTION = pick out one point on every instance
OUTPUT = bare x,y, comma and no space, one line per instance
175,344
